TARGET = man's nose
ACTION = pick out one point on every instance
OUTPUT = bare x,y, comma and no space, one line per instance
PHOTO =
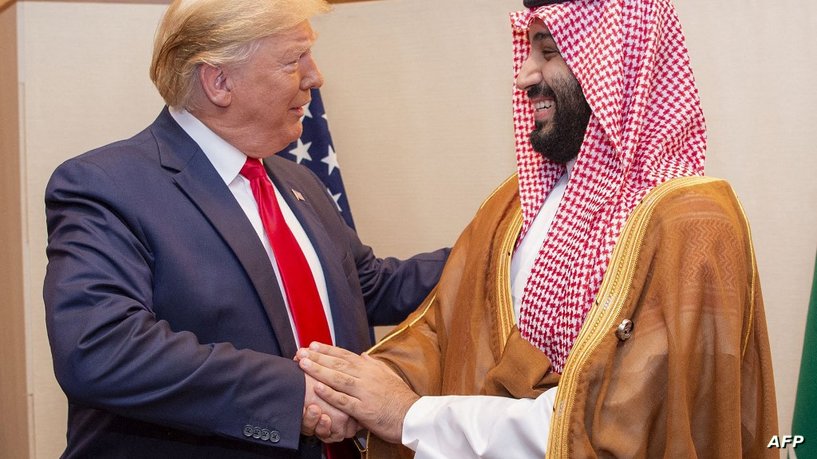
529,75
313,78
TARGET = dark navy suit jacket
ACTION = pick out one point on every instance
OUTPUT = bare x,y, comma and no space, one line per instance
167,326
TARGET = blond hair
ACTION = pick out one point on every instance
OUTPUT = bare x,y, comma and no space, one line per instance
216,32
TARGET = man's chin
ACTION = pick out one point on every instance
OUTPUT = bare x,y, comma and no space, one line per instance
554,151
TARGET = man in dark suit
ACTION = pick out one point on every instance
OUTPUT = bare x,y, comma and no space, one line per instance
170,308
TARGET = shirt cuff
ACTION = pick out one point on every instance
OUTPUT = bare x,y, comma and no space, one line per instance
478,426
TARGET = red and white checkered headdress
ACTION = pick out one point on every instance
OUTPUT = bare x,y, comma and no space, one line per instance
647,127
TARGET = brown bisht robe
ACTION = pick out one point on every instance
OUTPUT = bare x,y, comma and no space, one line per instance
693,377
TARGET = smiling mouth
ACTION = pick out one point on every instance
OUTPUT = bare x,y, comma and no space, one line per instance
543,105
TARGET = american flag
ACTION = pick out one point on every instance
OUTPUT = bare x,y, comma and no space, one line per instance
315,150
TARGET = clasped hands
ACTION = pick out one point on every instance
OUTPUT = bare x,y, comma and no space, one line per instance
346,391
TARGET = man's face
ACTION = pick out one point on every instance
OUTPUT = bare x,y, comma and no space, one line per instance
561,112
270,90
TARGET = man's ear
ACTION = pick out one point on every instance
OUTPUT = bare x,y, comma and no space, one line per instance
215,84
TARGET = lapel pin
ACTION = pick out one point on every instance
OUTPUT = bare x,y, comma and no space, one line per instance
298,195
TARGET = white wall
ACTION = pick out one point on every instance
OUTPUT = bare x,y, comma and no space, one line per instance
418,96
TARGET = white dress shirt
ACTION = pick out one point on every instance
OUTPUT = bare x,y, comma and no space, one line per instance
486,426
228,161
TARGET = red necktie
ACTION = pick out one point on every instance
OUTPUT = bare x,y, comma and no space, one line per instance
299,285
302,294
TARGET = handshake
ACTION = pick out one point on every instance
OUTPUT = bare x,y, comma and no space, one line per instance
346,392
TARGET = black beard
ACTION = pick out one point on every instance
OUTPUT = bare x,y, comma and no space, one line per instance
562,141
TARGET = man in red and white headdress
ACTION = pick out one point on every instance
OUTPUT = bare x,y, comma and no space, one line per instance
604,301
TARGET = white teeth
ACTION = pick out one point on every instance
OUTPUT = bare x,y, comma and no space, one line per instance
543,105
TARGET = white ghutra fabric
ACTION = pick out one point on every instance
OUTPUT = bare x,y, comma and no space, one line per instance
646,127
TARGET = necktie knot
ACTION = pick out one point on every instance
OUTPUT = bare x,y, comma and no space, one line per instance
253,169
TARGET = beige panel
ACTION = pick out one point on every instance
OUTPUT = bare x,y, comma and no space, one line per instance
418,98
13,401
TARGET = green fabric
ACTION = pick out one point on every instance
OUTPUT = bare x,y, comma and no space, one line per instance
805,408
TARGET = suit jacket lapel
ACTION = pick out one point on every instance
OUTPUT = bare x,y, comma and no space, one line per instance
198,179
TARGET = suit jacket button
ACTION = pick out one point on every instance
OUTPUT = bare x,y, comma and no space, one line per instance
274,436
264,434
248,430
